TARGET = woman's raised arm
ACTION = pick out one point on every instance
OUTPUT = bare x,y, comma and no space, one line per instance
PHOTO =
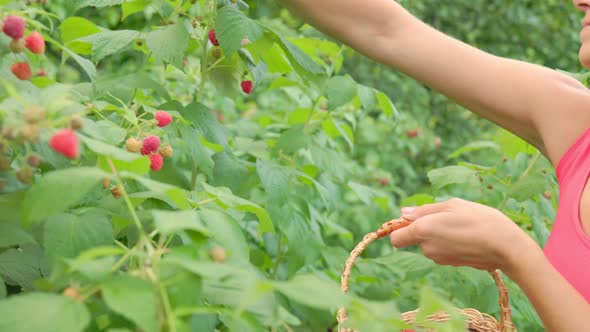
547,108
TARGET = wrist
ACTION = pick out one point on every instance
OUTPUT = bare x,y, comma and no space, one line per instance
521,256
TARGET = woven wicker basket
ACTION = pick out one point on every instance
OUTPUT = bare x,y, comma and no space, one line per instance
477,322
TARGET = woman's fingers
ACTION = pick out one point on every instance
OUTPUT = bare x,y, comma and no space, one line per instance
417,212
416,232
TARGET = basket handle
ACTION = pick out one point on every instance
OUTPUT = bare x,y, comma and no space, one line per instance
506,324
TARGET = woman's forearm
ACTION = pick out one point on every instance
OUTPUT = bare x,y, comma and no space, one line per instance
558,304
364,25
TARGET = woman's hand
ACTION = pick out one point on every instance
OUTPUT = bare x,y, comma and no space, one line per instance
462,233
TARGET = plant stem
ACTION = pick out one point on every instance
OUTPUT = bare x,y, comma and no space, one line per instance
143,239
167,308
203,67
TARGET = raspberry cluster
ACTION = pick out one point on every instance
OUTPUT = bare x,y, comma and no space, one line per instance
151,146
14,27
22,132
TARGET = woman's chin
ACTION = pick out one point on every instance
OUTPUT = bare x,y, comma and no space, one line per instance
584,56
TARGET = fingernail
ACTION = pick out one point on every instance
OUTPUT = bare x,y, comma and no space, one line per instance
407,210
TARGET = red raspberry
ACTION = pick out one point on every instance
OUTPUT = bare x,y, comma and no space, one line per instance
247,86
65,142
14,27
35,43
163,118
156,161
413,133
213,38
150,144
21,70
42,72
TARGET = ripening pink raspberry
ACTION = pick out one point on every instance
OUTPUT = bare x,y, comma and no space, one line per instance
66,143
150,144
156,161
247,87
22,70
35,43
213,38
163,118
14,27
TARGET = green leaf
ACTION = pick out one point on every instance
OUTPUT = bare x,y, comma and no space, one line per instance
174,196
275,180
325,52
430,304
197,152
301,61
59,190
512,145
314,292
406,263
367,315
274,57
387,107
85,64
104,130
134,6
235,286
11,206
418,199
2,289
225,196
169,44
42,81
123,160
367,97
206,123
75,27
21,266
109,42
339,90
474,146
68,235
292,140
98,3
231,172
134,299
291,220
366,194
231,26
170,222
183,287
445,176
528,186
37,312
227,232
11,235
205,269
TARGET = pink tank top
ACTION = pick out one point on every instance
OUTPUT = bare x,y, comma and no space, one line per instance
568,246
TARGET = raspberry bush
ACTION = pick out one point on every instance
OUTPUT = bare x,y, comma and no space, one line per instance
207,166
